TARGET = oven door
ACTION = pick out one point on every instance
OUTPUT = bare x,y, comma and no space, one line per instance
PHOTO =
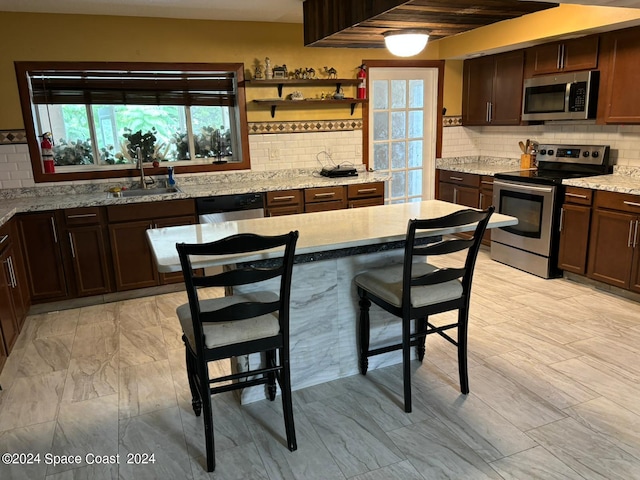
533,206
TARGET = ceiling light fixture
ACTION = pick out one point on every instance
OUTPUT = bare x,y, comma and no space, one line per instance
406,43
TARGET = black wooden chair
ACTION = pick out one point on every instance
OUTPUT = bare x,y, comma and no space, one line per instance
416,289
237,325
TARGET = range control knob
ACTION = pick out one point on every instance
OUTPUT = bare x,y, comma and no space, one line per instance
550,152
586,153
543,152
595,154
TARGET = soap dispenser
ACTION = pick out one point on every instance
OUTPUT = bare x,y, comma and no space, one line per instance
171,182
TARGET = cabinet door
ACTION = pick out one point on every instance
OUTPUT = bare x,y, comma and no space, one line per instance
289,210
132,261
366,202
8,322
175,277
506,103
610,252
42,255
476,90
446,192
89,259
619,100
574,238
324,206
635,270
580,54
468,196
544,59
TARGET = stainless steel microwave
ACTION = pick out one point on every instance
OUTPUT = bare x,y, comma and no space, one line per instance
566,96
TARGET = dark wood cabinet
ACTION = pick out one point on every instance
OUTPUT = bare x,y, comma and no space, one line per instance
322,199
614,250
575,222
459,188
365,195
492,89
619,97
38,234
565,56
132,260
8,318
284,202
86,250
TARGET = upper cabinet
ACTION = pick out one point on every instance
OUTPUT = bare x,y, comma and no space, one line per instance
565,56
619,98
492,89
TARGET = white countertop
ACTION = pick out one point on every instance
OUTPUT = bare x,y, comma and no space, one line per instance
319,232
610,183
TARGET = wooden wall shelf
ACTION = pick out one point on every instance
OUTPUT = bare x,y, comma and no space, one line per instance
280,82
308,103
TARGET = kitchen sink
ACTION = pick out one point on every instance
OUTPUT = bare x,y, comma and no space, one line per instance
138,192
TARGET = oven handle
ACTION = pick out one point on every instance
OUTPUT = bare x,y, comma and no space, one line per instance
517,186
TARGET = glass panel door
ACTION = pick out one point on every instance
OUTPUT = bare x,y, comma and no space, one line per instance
402,138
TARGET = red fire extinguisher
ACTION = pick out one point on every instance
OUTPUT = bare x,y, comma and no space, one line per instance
362,86
47,153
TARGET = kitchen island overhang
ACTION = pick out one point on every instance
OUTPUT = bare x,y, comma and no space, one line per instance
332,249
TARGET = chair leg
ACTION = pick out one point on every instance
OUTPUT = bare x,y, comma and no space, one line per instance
406,365
192,376
287,402
462,349
205,388
421,327
363,332
270,356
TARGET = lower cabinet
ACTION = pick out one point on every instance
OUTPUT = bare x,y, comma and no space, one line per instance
323,199
40,242
284,202
365,195
575,222
131,255
614,250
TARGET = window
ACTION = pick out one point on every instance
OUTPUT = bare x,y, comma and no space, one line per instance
103,117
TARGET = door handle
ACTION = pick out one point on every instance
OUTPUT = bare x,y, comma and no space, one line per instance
12,273
635,235
53,228
480,201
631,223
455,195
561,218
73,250
558,61
4,239
487,112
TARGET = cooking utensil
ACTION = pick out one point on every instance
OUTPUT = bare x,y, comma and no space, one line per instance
527,145
522,147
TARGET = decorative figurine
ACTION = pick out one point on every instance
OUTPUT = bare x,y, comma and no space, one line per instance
331,72
311,73
296,95
280,71
258,75
339,95
268,73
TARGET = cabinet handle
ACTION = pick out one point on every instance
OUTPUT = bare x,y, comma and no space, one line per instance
632,204
480,201
73,250
287,197
558,57
576,195
83,215
4,239
366,190
561,218
486,113
635,235
53,227
490,111
12,273
459,179
486,182
455,195
321,195
630,230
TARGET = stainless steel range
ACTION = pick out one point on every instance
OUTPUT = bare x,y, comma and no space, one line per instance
535,197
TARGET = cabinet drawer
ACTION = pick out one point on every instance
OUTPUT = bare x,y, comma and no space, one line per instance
284,197
365,190
467,179
324,194
142,211
82,216
366,202
486,182
285,210
324,206
581,196
618,201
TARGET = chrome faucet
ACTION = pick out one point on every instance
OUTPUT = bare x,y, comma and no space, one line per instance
143,183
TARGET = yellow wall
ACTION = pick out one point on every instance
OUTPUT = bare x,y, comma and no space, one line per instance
27,36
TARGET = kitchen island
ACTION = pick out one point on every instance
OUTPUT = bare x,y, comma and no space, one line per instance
333,247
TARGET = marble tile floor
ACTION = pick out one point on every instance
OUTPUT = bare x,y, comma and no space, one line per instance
554,376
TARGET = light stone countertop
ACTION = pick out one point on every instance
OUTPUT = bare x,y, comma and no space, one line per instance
478,165
610,183
319,231
56,198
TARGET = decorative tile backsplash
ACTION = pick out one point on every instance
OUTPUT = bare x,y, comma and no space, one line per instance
308,126
12,137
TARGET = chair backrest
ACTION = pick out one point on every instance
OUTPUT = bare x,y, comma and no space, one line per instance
447,245
247,273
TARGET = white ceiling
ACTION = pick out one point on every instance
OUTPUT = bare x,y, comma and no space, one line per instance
287,11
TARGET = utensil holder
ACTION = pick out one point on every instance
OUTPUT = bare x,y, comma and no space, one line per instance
526,161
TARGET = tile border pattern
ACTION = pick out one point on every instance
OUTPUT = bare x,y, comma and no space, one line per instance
304,126
453,121
13,137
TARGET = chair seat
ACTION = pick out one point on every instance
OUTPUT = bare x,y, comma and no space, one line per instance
386,283
227,333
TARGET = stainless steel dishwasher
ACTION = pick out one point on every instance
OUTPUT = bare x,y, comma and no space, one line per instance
224,208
